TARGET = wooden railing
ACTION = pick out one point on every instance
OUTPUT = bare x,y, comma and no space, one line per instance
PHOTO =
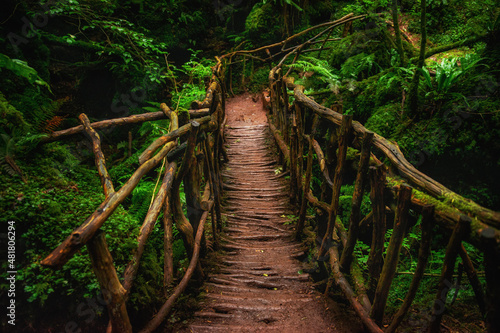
397,188
295,128
194,162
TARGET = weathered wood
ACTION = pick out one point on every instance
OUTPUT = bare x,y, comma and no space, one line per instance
100,161
147,227
168,252
375,259
345,130
303,206
445,281
134,119
405,168
392,256
167,306
170,136
354,218
180,219
342,282
293,161
191,183
111,288
82,234
423,256
285,113
279,140
300,150
322,162
214,176
473,279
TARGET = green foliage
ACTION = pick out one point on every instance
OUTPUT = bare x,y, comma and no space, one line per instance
285,2
21,69
396,76
360,66
384,119
189,93
321,70
141,199
262,24
345,203
259,80
448,73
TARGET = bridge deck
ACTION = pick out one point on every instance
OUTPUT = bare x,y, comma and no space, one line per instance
260,286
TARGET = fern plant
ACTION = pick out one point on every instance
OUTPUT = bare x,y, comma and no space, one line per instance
448,73
141,199
322,71
360,66
396,75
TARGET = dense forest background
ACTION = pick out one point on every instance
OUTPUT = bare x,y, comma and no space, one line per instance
111,59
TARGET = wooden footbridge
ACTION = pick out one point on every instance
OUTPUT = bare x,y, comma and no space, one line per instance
228,168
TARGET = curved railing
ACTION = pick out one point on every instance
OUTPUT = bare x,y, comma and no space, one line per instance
395,188
197,170
295,128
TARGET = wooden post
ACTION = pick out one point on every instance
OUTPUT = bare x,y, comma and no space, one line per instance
345,130
375,259
331,160
346,259
305,192
180,219
100,161
193,264
300,150
423,255
447,272
285,112
342,282
473,279
392,256
147,227
168,252
215,188
303,206
293,162
192,191
111,288
492,269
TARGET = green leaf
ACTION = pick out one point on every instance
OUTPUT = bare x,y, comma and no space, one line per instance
21,68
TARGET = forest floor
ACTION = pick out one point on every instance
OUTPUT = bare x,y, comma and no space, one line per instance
260,285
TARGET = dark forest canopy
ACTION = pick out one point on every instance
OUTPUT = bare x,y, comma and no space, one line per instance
433,88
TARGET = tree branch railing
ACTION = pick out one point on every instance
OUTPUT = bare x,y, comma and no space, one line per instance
204,138
408,188
289,124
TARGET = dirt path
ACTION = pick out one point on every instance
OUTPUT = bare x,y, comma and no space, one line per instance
260,286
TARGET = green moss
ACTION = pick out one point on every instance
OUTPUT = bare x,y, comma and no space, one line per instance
10,117
383,119
262,22
451,205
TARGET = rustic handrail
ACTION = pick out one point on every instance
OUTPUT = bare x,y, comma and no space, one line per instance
204,130
430,198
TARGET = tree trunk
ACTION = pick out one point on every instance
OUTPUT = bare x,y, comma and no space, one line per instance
413,95
395,21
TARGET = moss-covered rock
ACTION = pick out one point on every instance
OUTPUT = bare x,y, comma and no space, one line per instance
262,23
383,119
374,41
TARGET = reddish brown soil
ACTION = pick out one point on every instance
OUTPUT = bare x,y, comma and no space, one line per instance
260,286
